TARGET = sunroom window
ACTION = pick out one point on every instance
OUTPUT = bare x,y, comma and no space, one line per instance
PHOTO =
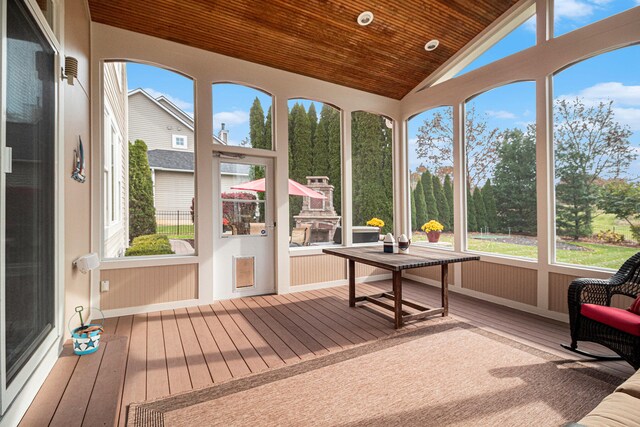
596,111
500,146
149,162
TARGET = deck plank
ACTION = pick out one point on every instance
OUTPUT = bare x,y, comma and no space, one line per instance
279,329
157,375
196,363
322,316
179,378
44,406
234,360
330,338
75,399
279,346
343,311
107,391
218,368
305,336
247,351
135,382
268,354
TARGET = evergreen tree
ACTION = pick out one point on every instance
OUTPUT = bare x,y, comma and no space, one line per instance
481,213
514,183
268,133
421,206
313,125
448,192
300,155
256,125
472,224
326,152
490,206
441,202
414,220
575,198
371,142
258,139
142,213
429,198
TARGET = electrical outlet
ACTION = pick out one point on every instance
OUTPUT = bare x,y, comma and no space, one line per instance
104,286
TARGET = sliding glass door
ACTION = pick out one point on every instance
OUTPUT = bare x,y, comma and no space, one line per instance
28,203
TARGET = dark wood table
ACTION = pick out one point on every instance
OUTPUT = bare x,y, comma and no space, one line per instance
417,257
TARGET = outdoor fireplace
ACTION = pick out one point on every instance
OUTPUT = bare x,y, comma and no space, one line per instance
319,214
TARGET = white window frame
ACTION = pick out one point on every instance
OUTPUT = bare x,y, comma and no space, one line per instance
174,142
111,174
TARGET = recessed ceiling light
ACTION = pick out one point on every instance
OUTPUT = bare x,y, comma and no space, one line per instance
431,45
365,18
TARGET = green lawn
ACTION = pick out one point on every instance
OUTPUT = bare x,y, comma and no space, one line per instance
186,231
598,255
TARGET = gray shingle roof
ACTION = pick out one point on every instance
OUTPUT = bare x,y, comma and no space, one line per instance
184,160
169,159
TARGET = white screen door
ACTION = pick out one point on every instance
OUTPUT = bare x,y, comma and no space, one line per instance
244,230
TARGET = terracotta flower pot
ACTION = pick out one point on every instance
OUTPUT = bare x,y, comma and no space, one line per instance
433,236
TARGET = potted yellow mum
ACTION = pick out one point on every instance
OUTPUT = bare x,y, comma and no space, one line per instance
375,222
433,229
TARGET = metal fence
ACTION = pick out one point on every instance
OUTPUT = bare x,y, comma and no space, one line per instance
174,222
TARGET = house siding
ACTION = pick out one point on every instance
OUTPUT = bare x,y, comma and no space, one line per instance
148,122
115,97
173,191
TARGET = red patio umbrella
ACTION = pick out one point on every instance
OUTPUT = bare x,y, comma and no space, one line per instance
295,188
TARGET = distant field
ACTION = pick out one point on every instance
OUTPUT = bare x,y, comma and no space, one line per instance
604,222
597,255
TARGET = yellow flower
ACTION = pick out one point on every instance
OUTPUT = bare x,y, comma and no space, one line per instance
432,225
375,222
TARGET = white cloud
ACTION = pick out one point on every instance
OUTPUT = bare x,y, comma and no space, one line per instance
501,114
626,100
572,9
530,24
230,118
615,91
185,106
629,117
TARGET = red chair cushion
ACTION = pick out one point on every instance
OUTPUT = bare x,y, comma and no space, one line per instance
635,307
615,317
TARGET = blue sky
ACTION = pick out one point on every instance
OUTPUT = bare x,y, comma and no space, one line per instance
613,75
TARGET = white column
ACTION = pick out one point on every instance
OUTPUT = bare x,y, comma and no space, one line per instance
281,139
347,177
459,186
204,191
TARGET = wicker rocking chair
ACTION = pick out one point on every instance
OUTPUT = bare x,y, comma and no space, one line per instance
590,299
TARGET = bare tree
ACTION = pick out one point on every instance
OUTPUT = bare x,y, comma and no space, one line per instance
435,145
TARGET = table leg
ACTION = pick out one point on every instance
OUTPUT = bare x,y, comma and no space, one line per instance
397,295
352,283
445,289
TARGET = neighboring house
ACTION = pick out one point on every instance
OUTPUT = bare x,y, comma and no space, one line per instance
169,134
115,171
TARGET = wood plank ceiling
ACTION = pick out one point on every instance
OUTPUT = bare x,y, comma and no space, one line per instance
317,38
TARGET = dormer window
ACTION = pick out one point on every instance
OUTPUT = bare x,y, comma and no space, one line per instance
179,141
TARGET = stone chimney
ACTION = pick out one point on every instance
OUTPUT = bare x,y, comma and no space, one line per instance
223,135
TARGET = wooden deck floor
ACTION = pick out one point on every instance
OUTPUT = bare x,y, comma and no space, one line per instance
151,355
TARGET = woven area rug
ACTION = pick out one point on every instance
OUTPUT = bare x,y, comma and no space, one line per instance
446,373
